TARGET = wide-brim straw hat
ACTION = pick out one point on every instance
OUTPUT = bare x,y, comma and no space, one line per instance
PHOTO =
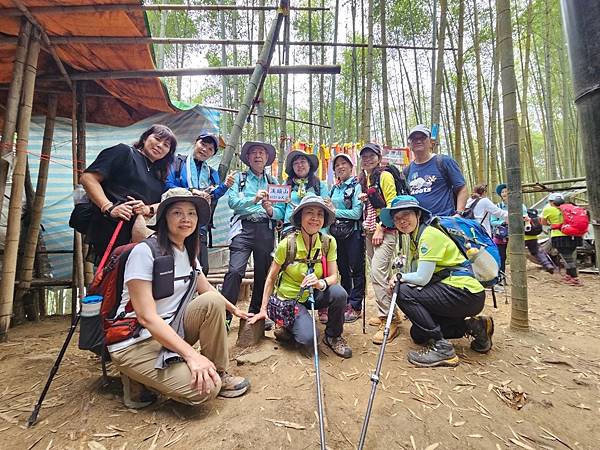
175,195
271,152
313,161
312,200
399,203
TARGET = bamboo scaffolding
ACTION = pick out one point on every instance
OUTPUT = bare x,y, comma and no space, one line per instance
13,229
153,73
139,40
12,105
83,9
254,86
31,244
61,68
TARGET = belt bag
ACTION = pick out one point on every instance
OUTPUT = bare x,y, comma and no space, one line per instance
342,228
282,312
120,329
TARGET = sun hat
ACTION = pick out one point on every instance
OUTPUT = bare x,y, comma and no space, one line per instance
371,146
179,194
312,200
209,137
399,203
500,187
313,162
343,156
250,144
420,129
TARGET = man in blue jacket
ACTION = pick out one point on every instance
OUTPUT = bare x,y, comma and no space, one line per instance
193,172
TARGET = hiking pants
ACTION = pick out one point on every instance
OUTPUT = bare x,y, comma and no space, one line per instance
382,258
567,247
438,311
334,299
351,265
204,322
538,253
256,238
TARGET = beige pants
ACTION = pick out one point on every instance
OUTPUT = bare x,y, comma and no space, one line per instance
382,258
204,321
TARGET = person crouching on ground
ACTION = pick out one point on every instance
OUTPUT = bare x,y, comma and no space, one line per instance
160,355
292,276
441,297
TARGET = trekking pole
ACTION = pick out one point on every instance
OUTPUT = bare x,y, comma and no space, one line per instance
311,300
377,372
36,410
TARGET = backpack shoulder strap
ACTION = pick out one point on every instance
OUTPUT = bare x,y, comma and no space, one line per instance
443,169
325,241
152,242
243,179
290,250
179,162
212,177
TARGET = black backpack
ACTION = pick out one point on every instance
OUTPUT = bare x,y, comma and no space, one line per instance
399,179
536,225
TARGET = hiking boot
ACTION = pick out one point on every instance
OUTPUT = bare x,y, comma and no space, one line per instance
232,386
283,334
375,321
269,324
394,332
482,329
351,314
339,346
441,353
323,316
135,395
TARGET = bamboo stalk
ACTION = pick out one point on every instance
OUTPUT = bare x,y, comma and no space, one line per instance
153,73
13,229
61,68
12,105
284,103
31,243
83,9
368,105
254,86
332,90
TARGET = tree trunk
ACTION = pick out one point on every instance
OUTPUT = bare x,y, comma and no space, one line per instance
13,228
457,152
384,78
519,317
310,77
283,107
439,73
260,107
366,133
332,89
551,162
481,172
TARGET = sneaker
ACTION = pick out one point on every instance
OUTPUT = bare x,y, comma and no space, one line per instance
498,288
232,386
571,281
394,332
323,315
441,353
481,328
135,395
351,314
269,324
283,334
376,321
339,346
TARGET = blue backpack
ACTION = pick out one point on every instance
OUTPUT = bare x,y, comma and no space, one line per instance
483,257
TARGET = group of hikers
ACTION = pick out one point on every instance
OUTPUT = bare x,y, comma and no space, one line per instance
327,237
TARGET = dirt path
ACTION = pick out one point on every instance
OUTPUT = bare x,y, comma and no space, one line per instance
535,390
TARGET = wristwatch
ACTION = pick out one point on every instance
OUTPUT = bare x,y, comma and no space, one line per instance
107,211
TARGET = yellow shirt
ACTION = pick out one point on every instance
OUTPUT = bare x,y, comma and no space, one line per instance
292,276
435,246
553,215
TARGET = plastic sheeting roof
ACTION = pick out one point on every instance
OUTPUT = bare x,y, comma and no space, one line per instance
132,99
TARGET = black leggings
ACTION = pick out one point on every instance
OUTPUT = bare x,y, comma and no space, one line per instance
567,247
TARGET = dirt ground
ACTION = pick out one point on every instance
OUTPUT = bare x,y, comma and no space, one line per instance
536,389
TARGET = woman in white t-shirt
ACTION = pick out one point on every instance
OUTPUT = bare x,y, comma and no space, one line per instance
483,207
159,356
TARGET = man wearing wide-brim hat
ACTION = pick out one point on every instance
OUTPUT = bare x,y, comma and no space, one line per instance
251,229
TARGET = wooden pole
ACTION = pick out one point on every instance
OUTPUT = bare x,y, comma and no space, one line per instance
254,86
12,105
13,229
77,289
83,9
28,258
153,73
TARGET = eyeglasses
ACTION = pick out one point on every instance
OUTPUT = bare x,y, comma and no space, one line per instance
415,139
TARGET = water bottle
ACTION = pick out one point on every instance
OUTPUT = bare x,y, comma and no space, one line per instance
90,305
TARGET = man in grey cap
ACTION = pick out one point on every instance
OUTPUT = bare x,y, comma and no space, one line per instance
435,180
251,229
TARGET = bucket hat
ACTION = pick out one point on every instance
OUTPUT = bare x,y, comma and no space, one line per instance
399,203
178,194
250,144
312,200
313,162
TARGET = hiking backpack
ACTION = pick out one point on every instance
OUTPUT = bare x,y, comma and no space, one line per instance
483,257
575,220
535,225
399,179
290,252
469,212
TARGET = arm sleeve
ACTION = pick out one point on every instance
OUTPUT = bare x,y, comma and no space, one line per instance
172,181
456,177
110,159
422,276
388,187
357,207
494,210
139,264
221,189
279,211
235,201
